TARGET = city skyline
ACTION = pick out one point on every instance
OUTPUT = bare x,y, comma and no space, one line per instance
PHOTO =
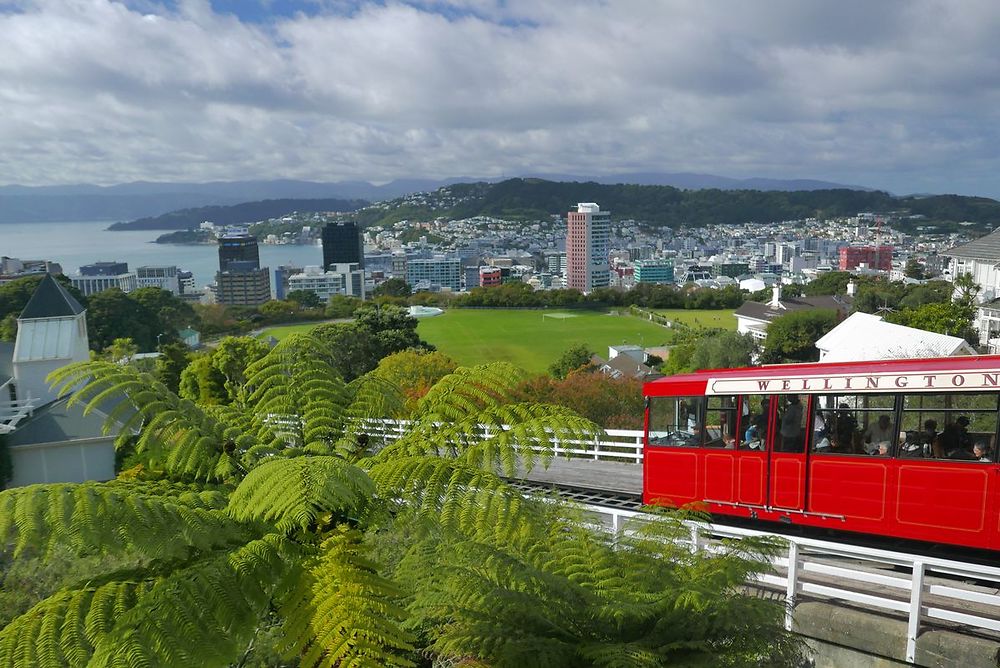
896,95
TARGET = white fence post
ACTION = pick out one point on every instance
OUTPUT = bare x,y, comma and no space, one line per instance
638,449
792,589
916,603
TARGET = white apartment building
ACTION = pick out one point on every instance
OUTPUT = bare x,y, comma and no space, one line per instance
340,279
91,285
158,276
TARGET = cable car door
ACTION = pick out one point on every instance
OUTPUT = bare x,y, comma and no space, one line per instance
787,447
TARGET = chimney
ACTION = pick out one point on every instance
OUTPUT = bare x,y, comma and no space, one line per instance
776,296
852,288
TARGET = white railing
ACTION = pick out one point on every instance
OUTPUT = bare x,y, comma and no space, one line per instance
933,590
623,445
13,411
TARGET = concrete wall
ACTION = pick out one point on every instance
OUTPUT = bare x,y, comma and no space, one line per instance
841,637
71,461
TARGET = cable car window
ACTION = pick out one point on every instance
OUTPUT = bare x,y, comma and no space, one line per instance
950,426
720,422
791,423
854,424
675,421
754,414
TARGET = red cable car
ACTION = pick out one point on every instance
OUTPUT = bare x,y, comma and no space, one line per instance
900,448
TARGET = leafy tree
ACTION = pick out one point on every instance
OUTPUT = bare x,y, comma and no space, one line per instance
967,289
613,403
342,306
357,347
951,318
572,359
721,350
414,372
173,359
914,269
792,337
394,287
200,381
173,313
304,298
112,314
277,310
121,351
831,283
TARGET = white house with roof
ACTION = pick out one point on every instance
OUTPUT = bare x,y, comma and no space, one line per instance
981,260
864,336
47,439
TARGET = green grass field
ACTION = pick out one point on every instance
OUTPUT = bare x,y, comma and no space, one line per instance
526,339
722,319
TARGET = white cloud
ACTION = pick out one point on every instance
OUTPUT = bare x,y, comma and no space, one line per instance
894,94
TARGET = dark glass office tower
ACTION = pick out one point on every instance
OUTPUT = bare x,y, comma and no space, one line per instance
343,244
238,248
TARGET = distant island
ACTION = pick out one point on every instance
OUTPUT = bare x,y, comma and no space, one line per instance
187,237
238,214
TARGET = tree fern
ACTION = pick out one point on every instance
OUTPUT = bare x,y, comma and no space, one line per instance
293,493
114,518
342,612
63,629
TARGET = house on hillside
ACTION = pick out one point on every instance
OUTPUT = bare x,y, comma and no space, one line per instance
754,317
864,336
47,439
981,260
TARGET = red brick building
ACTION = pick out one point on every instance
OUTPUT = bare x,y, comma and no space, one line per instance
873,257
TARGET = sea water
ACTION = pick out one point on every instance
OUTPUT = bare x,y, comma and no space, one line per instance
77,243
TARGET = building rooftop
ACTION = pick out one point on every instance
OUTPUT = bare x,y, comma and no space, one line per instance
767,312
984,248
51,300
864,336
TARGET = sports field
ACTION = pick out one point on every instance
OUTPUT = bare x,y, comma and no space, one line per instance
531,339
282,331
694,318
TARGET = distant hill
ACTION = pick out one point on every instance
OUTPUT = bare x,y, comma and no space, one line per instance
537,199
239,214
141,199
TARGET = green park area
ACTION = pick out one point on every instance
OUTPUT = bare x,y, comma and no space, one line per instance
721,319
531,339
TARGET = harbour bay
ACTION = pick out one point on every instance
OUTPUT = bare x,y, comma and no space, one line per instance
77,243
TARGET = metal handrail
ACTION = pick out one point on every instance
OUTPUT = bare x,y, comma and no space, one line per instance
806,560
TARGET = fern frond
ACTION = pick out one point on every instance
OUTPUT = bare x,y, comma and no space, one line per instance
469,390
63,629
114,517
342,613
202,615
292,493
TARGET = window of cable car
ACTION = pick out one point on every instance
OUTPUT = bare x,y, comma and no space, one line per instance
958,426
791,423
754,413
854,424
720,422
675,421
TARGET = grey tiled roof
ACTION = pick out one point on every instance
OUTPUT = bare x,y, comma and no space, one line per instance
57,422
51,300
767,313
984,248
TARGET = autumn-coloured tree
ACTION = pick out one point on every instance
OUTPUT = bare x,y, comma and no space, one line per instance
414,372
610,402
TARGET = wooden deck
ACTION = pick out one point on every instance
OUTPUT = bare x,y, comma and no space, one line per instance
602,476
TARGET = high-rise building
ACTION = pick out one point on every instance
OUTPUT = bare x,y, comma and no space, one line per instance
588,239
238,248
241,281
343,244
874,257
281,276
435,274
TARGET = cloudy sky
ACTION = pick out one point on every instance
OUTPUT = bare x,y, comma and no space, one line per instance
901,95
